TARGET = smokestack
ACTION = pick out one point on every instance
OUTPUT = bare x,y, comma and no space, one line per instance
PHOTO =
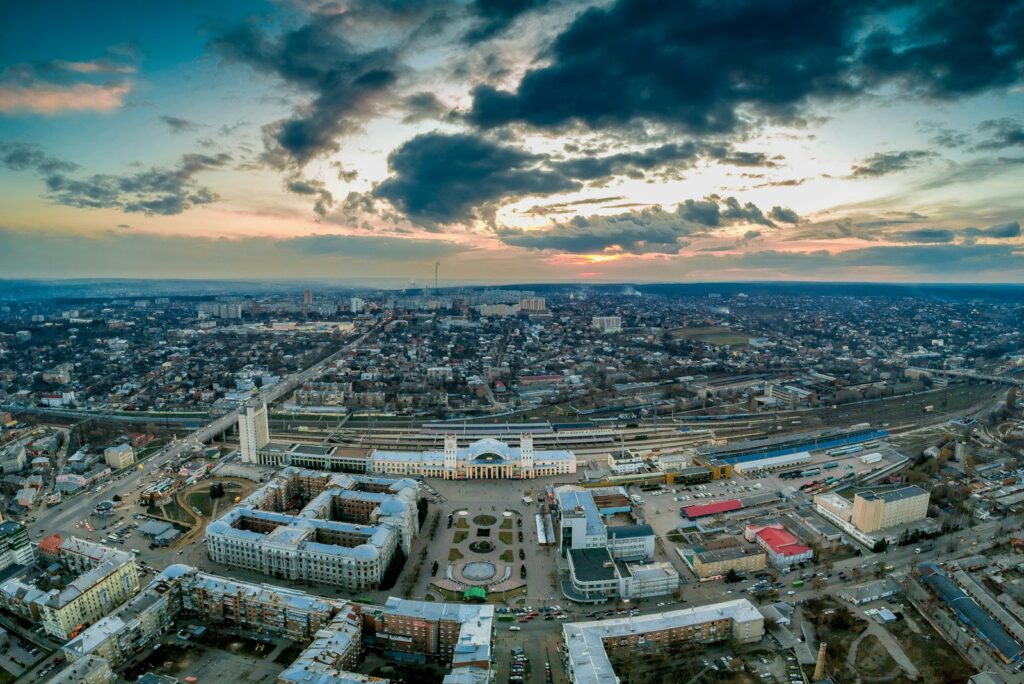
819,667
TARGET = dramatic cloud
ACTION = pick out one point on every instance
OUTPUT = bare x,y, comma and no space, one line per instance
497,15
707,67
439,178
783,215
156,191
1003,132
925,235
1005,231
344,82
316,188
422,106
61,86
179,125
651,230
882,163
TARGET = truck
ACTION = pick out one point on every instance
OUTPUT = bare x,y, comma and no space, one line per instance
926,547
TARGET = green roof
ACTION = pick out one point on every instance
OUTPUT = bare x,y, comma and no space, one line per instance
475,594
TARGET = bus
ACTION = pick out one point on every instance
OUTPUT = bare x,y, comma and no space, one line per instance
798,583
506,617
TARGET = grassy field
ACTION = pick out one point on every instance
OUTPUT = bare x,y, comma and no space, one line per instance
712,335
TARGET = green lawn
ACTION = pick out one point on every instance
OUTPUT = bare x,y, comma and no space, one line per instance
505,537
461,536
454,555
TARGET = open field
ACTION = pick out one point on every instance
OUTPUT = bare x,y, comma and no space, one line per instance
712,335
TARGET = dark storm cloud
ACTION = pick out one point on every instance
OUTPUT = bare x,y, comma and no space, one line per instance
653,230
714,211
495,16
1003,133
704,67
783,215
344,82
883,163
179,125
422,106
440,178
1001,232
925,235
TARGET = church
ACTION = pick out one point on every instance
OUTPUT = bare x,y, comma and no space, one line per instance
482,459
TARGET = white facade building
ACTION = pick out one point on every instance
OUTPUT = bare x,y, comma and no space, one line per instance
607,324
346,533
253,431
484,458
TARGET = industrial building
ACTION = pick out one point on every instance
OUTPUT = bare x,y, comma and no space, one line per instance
781,546
336,529
968,611
876,511
590,646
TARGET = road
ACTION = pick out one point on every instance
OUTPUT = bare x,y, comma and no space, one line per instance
62,519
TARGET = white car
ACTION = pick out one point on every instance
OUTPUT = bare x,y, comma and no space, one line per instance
515,628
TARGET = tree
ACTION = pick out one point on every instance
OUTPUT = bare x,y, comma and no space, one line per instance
731,577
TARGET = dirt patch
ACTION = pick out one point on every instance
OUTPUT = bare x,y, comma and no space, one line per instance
873,659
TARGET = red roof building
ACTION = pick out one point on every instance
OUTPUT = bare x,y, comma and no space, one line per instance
782,547
49,548
702,510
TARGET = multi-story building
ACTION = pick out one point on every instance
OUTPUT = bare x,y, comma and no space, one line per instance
484,458
706,562
90,670
356,305
346,533
607,324
583,527
595,577
457,635
253,431
108,578
15,546
876,511
119,456
532,304
591,646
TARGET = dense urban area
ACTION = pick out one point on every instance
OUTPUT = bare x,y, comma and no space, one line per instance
543,484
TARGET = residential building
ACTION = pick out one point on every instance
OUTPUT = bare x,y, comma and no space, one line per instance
346,533
89,670
253,431
119,456
106,578
15,546
876,511
484,458
607,324
590,646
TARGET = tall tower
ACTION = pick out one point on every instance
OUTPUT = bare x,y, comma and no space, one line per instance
526,449
819,667
307,297
253,431
451,444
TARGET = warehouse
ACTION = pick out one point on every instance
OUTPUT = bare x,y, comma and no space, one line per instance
772,462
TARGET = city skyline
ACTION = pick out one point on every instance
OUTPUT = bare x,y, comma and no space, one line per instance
543,141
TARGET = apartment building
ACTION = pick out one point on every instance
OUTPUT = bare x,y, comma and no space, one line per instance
253,431
108,577
346,532
713,562
15,546
590,646
119,456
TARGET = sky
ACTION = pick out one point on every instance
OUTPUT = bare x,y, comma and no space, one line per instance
513,140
